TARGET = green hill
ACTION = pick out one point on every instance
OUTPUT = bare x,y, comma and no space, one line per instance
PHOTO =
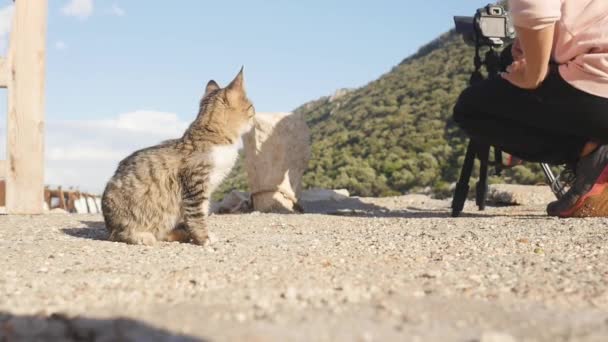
394,135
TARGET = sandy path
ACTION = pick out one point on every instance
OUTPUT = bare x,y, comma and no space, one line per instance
410,274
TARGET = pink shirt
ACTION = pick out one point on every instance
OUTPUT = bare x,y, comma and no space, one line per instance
580,46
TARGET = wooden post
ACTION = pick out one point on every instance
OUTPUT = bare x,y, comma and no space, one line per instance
73,197
47,197
25,133
86,200
2,193
97,209
4,73
61,199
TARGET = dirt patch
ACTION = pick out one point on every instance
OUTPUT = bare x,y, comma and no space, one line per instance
390,269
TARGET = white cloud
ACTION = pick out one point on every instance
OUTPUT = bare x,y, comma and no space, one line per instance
79,153
6,19
80,9
118,11
85,153
60,45
150,121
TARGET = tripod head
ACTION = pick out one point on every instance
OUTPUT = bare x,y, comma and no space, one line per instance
493,61
490,27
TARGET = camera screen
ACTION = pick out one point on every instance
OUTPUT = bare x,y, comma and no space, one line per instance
493,27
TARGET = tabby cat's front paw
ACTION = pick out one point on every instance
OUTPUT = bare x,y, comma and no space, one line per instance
199,238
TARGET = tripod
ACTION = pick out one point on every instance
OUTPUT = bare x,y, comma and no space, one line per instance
492,62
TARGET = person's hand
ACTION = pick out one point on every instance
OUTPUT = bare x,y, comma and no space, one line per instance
516,51
516,75
531,55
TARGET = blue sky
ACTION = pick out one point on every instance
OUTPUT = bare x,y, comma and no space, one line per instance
160,55
113,64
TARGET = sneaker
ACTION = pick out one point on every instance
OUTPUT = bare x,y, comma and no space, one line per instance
587,196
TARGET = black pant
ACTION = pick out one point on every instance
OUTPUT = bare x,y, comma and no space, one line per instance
550,124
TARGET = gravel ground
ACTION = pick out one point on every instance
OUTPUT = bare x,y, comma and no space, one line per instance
394,269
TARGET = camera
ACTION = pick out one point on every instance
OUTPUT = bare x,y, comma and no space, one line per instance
491,26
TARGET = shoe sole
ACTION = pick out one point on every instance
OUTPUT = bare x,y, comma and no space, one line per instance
594,203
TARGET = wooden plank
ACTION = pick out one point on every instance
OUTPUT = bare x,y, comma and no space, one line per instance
97,208
47,197
3,169
82,206
86,201
72,198
4,70
2,193
25,129
61,199
98,204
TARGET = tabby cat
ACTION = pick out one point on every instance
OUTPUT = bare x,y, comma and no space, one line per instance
161,193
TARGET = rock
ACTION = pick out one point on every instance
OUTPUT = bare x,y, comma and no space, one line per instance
212,238
511,194
427,191
290,294
339,93
496,337
58,211
315,195
277,151
234,202
59,327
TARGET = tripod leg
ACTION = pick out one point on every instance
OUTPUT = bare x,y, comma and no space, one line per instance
558,188
498,161
482,184
462,187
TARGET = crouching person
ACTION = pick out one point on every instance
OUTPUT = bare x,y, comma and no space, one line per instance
551,105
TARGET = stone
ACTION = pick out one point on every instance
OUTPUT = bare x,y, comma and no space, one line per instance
58,211
234,202
491,336
512,194
316,194
277,151
339,93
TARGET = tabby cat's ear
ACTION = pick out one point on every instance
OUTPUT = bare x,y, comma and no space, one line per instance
235,91
211,86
